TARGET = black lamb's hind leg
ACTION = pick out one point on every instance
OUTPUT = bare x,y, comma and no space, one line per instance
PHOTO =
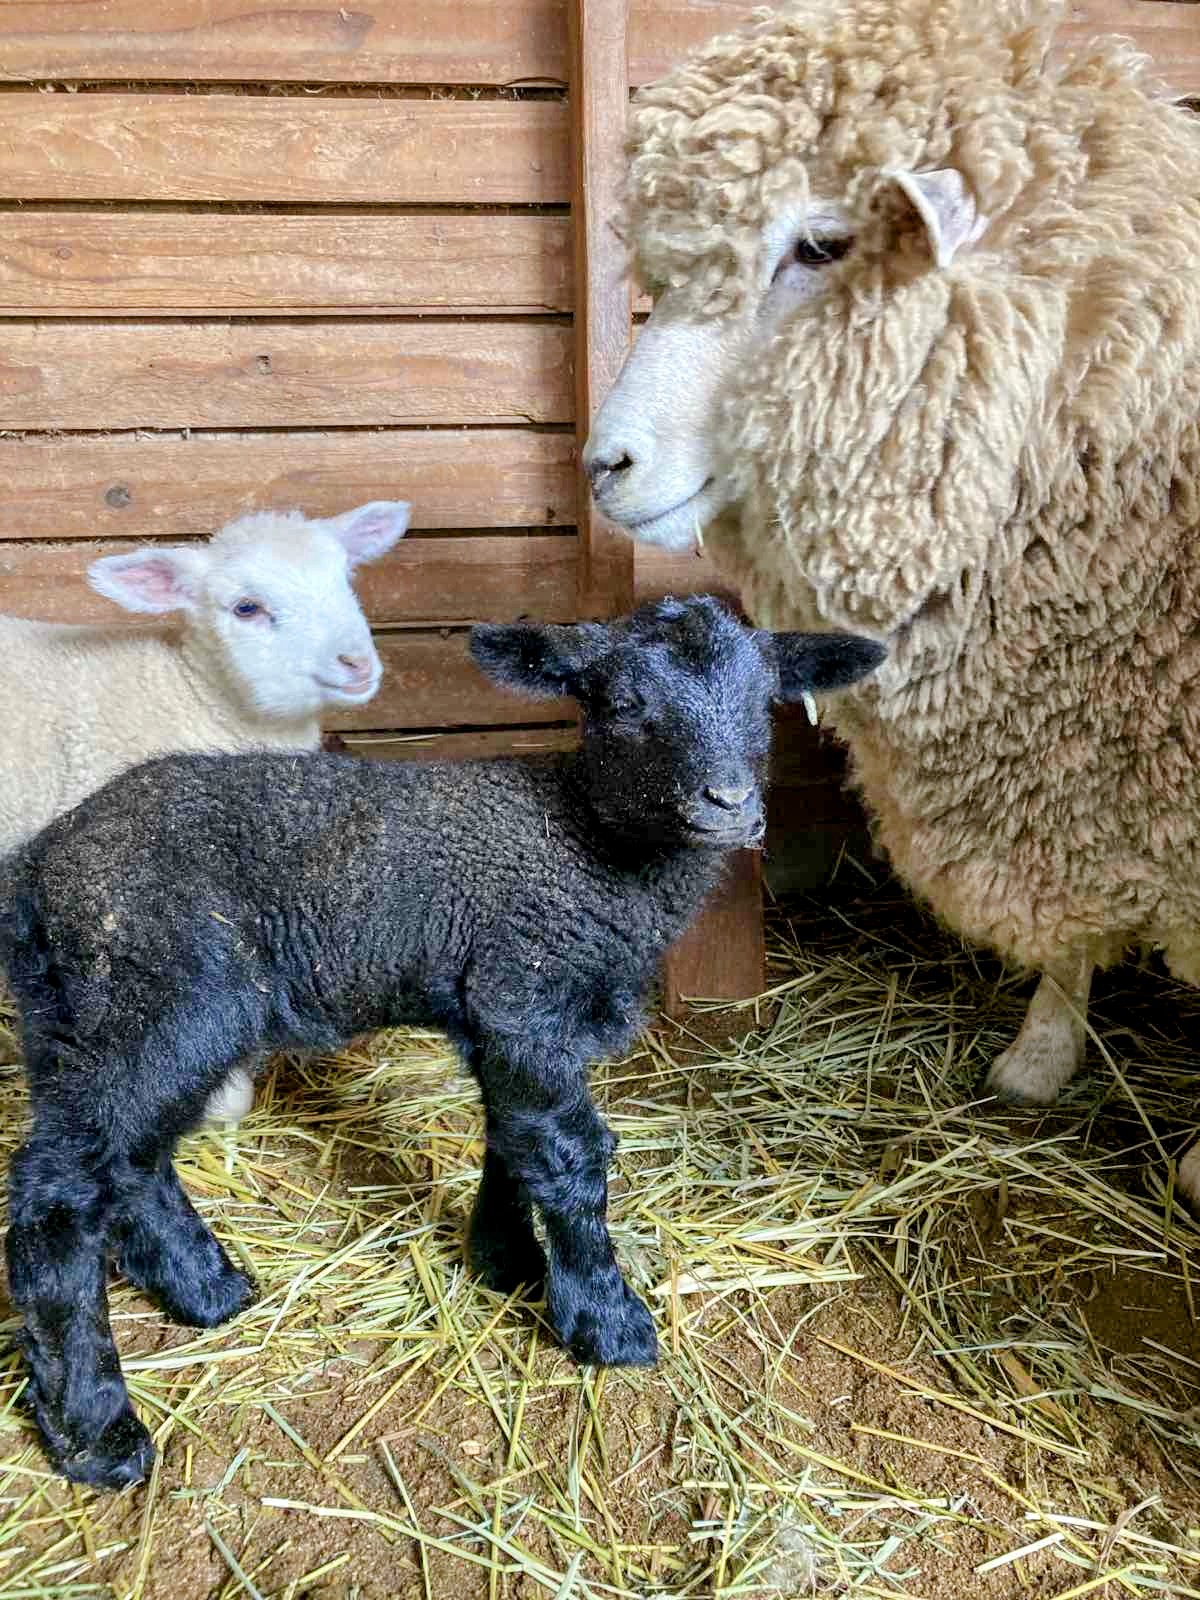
502,1245
167,1250
550,1138
59,1233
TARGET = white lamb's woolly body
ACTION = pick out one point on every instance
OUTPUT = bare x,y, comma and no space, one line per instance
925,362
269,636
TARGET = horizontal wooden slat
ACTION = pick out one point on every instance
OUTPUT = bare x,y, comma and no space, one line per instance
237,147
449,579
134,488
460,41
1167,30
661,32
671,572
429,681
120,262
187,375
429,41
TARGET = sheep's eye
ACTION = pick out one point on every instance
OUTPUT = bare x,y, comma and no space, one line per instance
247,608
627,705
811,252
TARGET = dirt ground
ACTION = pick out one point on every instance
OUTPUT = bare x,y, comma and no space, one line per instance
887,1369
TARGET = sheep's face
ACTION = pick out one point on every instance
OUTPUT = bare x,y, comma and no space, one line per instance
653,455
676,709
269,605
861,301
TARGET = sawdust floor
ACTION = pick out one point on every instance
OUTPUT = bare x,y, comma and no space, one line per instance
821,1422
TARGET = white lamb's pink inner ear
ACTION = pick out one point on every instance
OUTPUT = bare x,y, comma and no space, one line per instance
946,206
156,582
371,529
146,581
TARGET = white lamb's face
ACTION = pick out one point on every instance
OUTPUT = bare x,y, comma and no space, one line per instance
652,454
269,604
290,628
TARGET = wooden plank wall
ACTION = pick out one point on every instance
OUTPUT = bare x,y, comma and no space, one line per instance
311,258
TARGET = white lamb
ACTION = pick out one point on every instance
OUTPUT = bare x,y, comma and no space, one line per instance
269,635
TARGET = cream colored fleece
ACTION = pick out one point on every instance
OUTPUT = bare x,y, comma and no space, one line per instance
118,698
995,465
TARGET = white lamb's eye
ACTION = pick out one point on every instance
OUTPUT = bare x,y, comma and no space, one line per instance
810,251
248,608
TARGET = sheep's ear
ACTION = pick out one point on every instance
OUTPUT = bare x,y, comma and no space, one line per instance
151,580
816,663
540,659
945,206
368,531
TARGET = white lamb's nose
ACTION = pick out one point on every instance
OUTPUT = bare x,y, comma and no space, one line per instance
359,668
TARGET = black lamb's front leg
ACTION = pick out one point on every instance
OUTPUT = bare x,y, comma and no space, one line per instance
57,1240
547,1139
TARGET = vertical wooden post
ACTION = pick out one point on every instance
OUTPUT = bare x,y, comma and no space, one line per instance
599,96
722,957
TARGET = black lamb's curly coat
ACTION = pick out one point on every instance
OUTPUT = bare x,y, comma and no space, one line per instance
201,909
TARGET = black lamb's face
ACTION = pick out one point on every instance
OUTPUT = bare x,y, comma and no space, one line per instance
676,702
677,729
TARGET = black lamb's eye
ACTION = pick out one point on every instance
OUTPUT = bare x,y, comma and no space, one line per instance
624,704
808,252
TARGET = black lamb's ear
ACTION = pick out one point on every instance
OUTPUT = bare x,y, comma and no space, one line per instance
817,663
538,658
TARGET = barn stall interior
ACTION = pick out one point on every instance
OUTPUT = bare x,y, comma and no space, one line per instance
320,256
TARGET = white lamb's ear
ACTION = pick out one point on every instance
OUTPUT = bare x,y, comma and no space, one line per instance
945,205
368,531
168,579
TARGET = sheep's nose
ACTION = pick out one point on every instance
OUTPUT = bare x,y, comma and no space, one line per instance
605,463
728,799
356,666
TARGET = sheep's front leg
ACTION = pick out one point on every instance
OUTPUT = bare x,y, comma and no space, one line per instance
1048,1051
546,1138
167,1250
58,1234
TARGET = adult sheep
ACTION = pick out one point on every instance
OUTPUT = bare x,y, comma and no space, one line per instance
925,363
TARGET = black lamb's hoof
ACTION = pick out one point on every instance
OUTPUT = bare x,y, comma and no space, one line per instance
616,1332
506,1263
210,1302
122,1455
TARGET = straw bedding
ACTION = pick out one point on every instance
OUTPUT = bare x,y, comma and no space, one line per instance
914,1344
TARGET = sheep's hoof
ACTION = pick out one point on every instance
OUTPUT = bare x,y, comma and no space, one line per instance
1187,1179
1033,1069
210,1301
619,1334
123,1454
505,1263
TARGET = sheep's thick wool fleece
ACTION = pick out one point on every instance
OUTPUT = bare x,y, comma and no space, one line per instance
119,697
996,464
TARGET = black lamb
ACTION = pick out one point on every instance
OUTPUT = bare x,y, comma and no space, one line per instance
201,909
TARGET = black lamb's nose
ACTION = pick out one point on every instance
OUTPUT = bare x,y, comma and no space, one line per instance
728,799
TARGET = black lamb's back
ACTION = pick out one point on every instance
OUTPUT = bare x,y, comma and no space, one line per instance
333,894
